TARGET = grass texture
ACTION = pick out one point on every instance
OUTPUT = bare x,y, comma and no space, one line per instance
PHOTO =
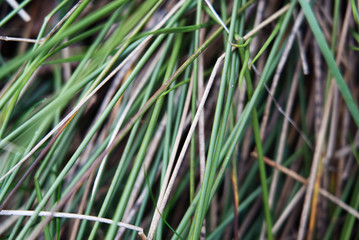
183,119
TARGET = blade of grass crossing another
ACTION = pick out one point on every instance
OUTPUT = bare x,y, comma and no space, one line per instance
211,160
328,56
142,151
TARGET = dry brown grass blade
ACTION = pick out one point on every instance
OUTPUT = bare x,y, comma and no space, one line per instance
303,180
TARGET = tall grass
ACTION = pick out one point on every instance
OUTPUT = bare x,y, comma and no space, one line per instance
179,120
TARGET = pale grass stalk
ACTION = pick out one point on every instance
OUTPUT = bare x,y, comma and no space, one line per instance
202,139
7,224
19,39
303,58
270,19
340,203
156,217
22,13
288,210
216,15
315,163
161,204
259,16
201,126
70,216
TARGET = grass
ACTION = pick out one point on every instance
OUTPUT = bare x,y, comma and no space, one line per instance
179,120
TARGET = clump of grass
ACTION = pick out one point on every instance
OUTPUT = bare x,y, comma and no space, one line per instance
179,120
